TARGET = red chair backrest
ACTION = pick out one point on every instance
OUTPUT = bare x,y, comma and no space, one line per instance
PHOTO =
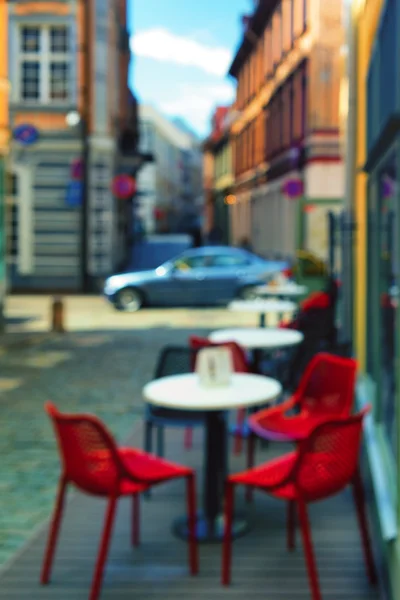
328,458
238,354
88,452
316,300
327,386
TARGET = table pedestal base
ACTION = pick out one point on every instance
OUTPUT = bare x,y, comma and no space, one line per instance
208,533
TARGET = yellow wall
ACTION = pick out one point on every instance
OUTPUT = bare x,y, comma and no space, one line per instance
4,85
366,15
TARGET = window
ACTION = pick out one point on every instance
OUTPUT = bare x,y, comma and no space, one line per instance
44,63
229,260
383,273
30,40
388,297
187,263
30,76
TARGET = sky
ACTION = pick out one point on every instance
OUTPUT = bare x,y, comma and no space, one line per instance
182,50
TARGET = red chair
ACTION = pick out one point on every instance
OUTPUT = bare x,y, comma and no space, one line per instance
324,464
93,463
326,391
240,365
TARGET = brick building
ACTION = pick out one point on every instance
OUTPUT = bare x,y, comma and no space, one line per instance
68,64
288,75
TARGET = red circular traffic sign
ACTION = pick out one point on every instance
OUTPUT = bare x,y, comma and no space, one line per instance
123,186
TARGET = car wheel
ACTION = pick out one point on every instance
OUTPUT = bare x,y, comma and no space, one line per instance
129,300
248,293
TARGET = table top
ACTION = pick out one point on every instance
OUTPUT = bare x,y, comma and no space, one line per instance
289,289
258,337
263,306
184,392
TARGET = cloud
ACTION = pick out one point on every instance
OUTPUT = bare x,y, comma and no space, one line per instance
195,103
162,45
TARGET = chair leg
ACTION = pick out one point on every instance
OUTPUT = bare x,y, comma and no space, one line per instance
309,552
192,517
104,545
53,533
148,446
160,441
136,520
188,440
291,525
227,543
251,447
359,499
241,417
148,436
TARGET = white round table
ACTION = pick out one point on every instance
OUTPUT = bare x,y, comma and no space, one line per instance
289,290
263,307
185,392
256,338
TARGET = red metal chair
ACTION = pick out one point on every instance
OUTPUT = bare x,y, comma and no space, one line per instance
326,391
240,365
323,465
93,463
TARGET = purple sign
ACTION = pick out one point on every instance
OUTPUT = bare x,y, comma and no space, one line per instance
26,134
388,187
77,169
293,188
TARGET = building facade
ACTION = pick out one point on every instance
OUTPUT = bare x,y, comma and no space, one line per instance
68,64
374,199
219,146
286,129
170,190
4,150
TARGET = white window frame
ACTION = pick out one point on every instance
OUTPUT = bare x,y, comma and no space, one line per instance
44,57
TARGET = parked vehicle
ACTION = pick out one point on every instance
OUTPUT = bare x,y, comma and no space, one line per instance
210,275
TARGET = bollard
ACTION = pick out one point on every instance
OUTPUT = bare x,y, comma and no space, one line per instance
58,315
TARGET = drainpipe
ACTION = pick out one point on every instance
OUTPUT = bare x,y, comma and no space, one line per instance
350,169
351,127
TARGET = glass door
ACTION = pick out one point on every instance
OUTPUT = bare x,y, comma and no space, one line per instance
388,282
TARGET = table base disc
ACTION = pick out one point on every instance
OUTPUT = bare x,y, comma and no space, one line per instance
208,535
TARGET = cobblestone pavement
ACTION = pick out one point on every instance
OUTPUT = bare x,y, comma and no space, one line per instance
101,372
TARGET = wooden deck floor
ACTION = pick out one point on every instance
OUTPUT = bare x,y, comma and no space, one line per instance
262,568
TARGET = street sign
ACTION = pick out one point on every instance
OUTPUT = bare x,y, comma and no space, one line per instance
26,134
123,187
77,169
74,195
293,188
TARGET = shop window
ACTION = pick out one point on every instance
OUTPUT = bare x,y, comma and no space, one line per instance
383,294
388,296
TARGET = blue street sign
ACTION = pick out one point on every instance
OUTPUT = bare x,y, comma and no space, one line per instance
26,134
74,193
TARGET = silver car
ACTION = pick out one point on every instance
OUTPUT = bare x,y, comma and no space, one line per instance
206,276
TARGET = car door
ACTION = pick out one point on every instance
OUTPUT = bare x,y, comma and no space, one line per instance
185,280
221,277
